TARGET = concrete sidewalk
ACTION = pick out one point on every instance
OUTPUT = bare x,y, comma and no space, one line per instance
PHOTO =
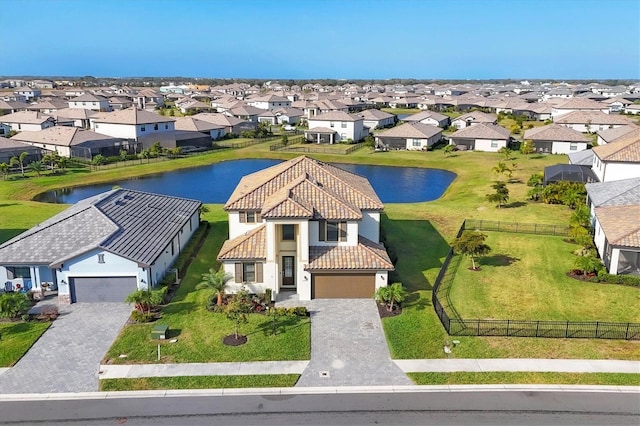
517,364
201,369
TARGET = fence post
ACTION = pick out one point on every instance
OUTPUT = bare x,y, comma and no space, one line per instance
566,331
478,331
535,228
537,327
597,325
508,327
626,334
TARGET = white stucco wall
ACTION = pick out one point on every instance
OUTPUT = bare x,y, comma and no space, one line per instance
566,147
617,171
93,106
131,131
236,228
382,279
369,227
485,145
352,235
19,127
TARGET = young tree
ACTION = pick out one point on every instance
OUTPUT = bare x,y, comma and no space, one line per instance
51,159
237,309
216,281
506,153
63,163
123,155
4,170
501,169
526,147
448,150
396,293
588,264
501,196
472,244
19,160
37,167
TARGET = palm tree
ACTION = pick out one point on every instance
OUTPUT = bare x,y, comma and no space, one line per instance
63,163
4,170
37,167
396,294
216,281
501,169
588,264
19,160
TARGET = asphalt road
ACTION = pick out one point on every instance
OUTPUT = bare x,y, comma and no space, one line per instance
489,407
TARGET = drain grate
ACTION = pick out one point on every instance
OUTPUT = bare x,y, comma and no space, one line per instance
324,374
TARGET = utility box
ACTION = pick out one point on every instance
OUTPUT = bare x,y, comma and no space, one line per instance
159,331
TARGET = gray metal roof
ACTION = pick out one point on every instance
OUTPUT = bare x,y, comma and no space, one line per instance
623,192
132,224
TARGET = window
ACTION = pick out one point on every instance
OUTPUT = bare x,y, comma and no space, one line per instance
331,124
18,272
343,125
101,258
173,250
250,217
417,142
288,232
248,272
166,126
494,144
155,126
142,128
573,147
332,230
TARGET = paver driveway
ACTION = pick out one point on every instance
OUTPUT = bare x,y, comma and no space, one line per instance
67,356
348,347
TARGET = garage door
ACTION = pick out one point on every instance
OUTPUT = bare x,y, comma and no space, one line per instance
101,289
342,286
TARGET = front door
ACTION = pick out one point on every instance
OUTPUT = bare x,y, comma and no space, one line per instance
288,278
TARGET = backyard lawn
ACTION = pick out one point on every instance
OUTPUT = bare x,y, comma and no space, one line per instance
200,332
524,277
16,338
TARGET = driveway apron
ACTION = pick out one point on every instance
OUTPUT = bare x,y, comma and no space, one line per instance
348,346
67,356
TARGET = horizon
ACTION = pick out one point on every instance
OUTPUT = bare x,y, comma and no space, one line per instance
356,40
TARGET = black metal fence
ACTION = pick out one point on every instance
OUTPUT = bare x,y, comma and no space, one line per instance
315,148
457,326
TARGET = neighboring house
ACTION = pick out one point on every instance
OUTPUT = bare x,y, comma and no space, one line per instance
192,106
481,137
245,113
625,192
27,120
335,126
578,104
4,129
473,118
102,248
306,227
618,160
48,106
215,131
135,124
617,238
28,93
412,136
92,102
557,139
10,148
288,115
119,102
230,124
76,142
79,117
268,116
9,107
592,121
376,119
429,117
632,109
611,135
269,102
148,99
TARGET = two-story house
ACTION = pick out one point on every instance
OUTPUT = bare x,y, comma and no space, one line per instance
92,102
269,102
335,126
305,227
141,126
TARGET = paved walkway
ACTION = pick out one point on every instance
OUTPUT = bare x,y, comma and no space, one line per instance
67,356
348,346
514,364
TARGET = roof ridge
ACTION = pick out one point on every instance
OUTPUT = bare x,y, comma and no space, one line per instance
370,250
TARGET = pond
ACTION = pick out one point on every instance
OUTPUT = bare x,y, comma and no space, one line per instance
216,182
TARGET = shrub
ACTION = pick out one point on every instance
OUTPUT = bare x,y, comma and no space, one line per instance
301,311
13,304
98,160
141,317
268,294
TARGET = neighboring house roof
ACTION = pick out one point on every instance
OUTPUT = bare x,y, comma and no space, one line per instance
132,224
624,149
592,118
75,113
26,117
581,103
246,110
415,130
321,130
582,158
477,117
623,192
7,144
218,118
423,115
482,131
289,112
367,255
195,124
12,105
620,224
134,116
335,116
555,132
63,136
251,245
327,183
375,114
88,97
610,135
49,104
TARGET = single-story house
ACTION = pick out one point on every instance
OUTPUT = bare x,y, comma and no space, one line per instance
28,120
230,124
305,227
557,139
288,115
592,121
428,117
102,248
10,148
578,104
412,136
619,159
473,118
617,238
611,135
215,131
376,119
481,137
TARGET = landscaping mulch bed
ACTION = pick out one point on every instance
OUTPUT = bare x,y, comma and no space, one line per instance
231,340
384,312
578,275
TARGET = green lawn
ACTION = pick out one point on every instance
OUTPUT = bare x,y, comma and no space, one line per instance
524,277
501,378
200,332
398,111
17,338
200,382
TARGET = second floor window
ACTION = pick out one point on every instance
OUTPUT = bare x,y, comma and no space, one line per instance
250,217
331,230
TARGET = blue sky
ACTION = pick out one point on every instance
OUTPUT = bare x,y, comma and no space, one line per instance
355,39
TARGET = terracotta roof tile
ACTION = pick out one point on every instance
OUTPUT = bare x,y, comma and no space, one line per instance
367,255
624,149
251,245
620,224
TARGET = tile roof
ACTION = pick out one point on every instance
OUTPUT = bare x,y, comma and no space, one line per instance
375,114
624,149
253,190
477,117
251,245
195,124
367,255
133,115
582,103
592,118
335,116
555,132
482,131
620,224
25,117
62,136
132,224
414,130
423,115
610,135
623,192
218,118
